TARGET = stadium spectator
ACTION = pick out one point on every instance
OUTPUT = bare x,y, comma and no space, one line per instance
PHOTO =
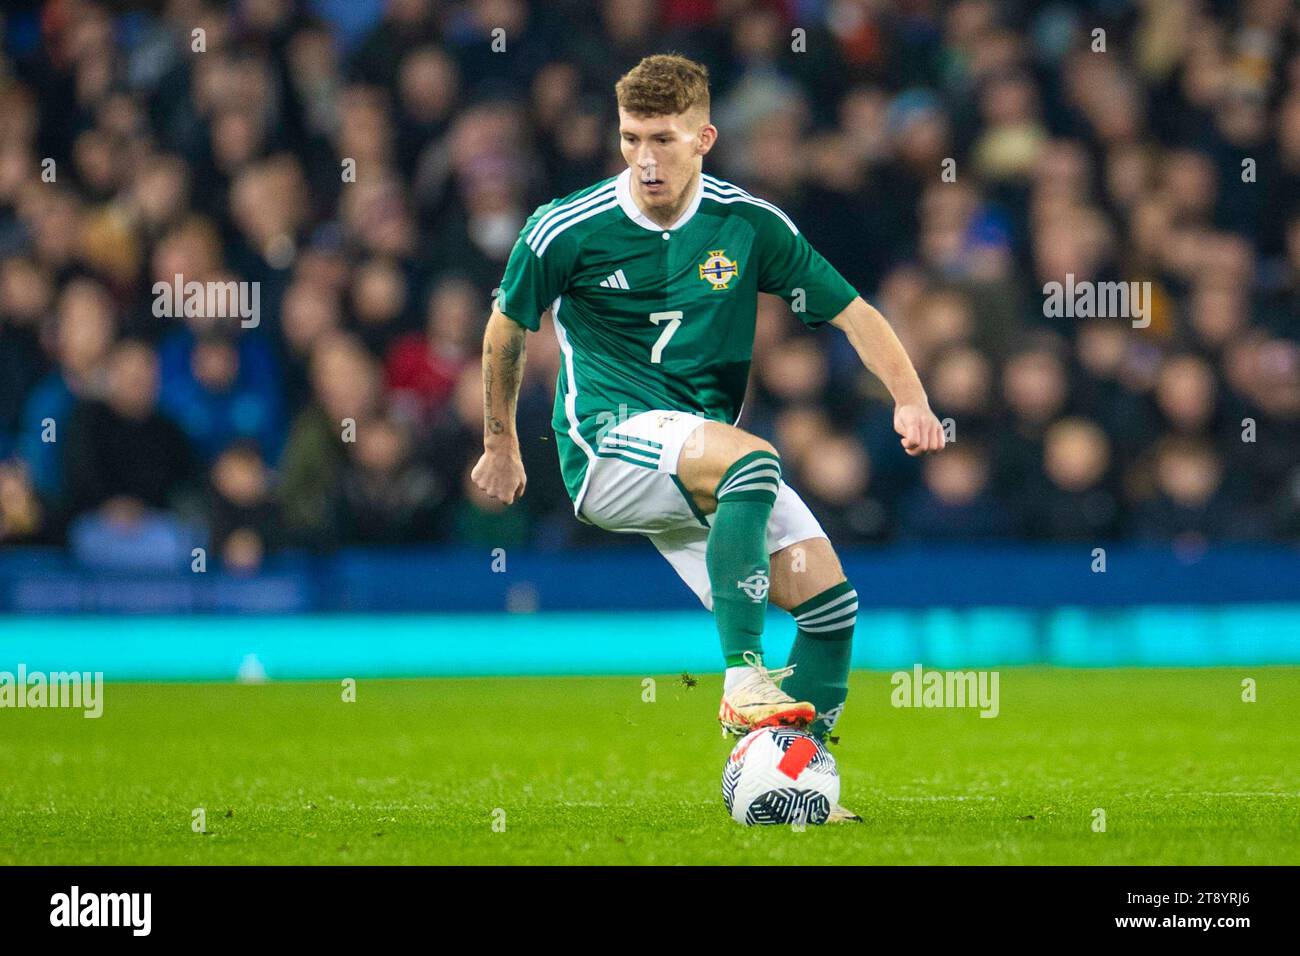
378,303
123,457
1079,502
84,330
22,517
26,292
220,386
421,370
243,519
799,431
386,495
955,502
346,393
1185,395
310,312
835,483
1189,505
961,387
1107,385
1036,389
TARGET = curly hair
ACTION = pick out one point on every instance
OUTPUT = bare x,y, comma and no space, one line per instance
664,85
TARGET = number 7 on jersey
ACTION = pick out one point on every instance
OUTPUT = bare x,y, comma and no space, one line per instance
674,320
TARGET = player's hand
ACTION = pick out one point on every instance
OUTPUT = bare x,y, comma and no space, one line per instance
921,431
500,474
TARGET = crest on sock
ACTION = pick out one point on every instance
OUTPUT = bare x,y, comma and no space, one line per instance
832,716
755,586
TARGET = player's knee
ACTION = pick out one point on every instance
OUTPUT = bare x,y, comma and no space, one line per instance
756,458
752,472
753,445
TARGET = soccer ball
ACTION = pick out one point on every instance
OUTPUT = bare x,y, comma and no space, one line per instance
780,775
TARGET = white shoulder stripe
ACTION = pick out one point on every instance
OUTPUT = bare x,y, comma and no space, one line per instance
709,193
559,212
721,183
729,189
564,207
540,249
722,188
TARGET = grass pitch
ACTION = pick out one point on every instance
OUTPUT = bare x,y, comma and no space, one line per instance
581,770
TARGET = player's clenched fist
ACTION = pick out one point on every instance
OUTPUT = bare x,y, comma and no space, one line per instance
921,431
500,475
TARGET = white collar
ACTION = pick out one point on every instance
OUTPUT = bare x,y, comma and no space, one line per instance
623,192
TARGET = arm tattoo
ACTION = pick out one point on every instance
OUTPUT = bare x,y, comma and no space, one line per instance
512,354
511,357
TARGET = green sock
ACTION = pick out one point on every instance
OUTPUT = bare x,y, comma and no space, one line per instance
821,653
737,555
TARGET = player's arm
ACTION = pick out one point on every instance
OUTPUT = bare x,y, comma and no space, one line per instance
884,356
532,281
500,472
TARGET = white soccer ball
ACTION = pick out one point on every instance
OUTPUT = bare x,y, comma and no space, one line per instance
780,775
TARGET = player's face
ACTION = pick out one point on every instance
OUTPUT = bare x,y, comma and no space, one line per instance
665,153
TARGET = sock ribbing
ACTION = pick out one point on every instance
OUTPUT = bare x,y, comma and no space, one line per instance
825,616
822,652
753,477
737,556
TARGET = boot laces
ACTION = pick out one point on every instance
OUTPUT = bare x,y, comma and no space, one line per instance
768,681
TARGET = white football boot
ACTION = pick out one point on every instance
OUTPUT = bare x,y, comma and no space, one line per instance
757,701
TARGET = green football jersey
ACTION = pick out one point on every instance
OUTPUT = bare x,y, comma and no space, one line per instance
651,318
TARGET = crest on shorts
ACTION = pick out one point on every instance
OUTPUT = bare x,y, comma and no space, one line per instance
718,269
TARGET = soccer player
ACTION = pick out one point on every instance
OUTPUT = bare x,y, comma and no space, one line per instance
652,278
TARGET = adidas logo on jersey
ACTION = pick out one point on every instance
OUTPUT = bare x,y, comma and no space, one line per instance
616,281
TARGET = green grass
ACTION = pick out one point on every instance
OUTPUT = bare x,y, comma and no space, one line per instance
588,773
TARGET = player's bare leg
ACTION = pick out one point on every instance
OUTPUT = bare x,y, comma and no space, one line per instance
736,476
708,453
803,570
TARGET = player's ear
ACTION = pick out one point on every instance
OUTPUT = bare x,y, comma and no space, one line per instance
705,138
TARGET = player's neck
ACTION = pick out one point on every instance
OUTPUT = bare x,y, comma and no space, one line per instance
669,215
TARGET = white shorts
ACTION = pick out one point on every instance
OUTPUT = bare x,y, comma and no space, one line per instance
632,487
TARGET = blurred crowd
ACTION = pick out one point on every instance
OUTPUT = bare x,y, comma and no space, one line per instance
369,165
